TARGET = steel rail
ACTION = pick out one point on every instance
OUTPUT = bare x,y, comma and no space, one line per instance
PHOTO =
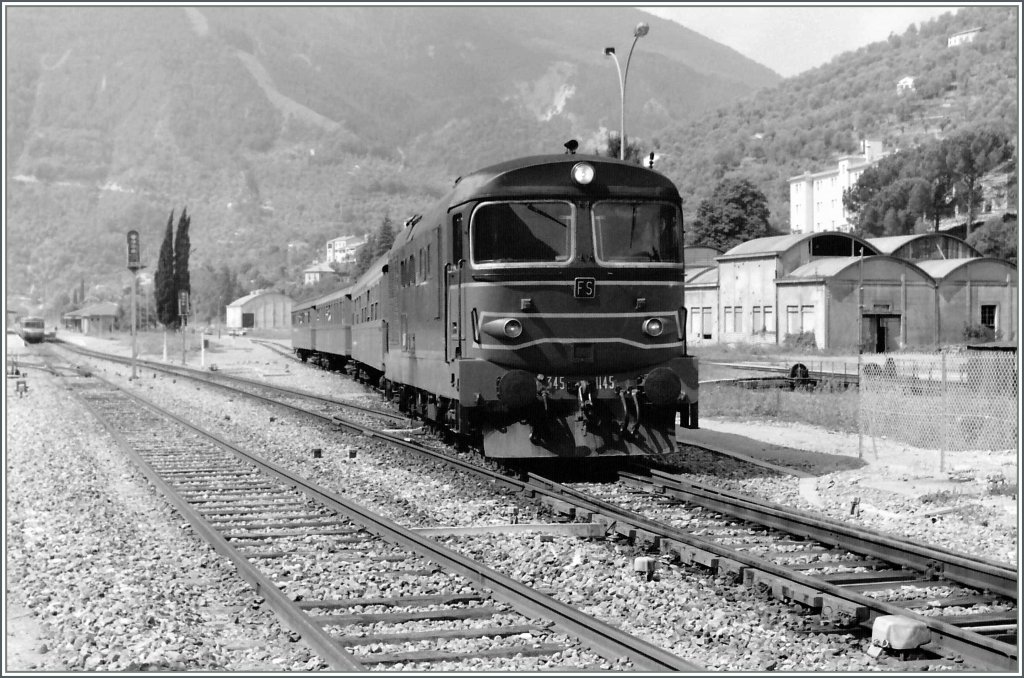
946,638
315,635
215,379
979,573
606,640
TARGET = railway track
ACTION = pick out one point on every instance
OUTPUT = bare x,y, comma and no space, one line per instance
258,389
954,606
850,577
309,554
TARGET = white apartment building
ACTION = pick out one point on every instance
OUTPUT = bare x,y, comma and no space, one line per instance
962,37
816,200
343,250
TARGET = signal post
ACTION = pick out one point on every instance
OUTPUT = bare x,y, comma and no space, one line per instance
134,264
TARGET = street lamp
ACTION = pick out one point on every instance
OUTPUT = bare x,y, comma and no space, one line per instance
638,32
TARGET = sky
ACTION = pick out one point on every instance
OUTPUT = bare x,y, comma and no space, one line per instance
790,39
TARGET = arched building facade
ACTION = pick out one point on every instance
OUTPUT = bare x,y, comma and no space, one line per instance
846,292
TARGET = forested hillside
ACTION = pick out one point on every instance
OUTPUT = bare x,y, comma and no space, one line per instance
806,121
281,127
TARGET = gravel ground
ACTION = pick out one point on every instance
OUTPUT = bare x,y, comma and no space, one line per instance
694,614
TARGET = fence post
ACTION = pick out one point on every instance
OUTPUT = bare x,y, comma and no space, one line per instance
945,419
860,410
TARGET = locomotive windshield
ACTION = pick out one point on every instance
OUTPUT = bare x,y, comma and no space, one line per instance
32,323
522,232
626,232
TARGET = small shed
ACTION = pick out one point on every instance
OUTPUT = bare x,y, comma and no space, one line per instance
260,310
94,319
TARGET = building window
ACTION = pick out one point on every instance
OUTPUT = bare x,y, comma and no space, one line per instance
728,319
769,322
737,319
758,322
807,318
792,320
695,321
706,322
988,316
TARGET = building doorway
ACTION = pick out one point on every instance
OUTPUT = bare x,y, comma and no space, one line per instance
880,332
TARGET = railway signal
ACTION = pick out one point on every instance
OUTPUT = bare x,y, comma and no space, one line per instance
134,251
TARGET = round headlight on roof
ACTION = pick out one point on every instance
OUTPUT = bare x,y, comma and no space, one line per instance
583,173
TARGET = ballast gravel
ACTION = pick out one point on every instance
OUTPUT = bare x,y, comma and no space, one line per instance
697,615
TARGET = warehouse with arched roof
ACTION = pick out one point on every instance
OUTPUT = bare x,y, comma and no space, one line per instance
895,299
260,310
790,288
974,293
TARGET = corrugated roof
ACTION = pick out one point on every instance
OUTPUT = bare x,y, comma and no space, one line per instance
891,243
260,293
703,275
322,267
940,268
768,245
100,308
823,268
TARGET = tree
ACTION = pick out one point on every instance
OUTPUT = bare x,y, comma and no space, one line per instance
996,238
365,256
384,238
633,152
970,156
736,212
163,280
182,246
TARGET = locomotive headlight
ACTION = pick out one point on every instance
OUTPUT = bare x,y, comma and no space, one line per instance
653,327
503,328
582,173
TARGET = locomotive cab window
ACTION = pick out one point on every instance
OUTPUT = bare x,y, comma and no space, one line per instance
630,232
522,233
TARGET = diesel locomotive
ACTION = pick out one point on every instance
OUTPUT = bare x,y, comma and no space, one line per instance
536,310
31,330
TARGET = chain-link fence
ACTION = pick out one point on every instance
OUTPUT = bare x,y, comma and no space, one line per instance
944,401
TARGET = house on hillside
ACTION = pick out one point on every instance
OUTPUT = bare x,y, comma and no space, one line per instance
816,199
962,37
905,84
316,272
344,250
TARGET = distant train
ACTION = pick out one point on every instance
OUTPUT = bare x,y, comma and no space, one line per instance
537,310
31,329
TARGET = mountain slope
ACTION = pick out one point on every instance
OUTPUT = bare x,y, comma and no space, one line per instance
279,127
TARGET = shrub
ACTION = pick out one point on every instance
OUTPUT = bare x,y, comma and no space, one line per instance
803,340
978,333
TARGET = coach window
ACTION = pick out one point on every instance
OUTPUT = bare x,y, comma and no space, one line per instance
632,232
522,233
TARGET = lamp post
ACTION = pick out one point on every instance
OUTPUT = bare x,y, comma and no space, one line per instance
638,32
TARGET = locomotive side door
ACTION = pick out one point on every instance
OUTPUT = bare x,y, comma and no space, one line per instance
453,271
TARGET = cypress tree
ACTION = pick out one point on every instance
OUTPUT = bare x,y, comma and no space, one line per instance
384,238
163,280
182,246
